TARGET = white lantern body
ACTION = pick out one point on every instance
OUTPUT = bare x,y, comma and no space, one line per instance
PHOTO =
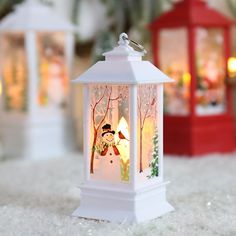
36,59
123,143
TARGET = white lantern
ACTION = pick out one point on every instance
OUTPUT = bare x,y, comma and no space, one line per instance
36,53
123,143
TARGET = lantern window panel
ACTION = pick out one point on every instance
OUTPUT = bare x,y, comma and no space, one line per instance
147,140
109,133
210,71
14,72
173,61
53,72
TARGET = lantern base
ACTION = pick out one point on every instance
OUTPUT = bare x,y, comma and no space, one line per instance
198,136
118,205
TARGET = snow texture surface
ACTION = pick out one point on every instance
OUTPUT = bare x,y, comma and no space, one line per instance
38,197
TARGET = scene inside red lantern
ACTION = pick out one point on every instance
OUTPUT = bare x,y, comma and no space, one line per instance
173,58
209,66
210,71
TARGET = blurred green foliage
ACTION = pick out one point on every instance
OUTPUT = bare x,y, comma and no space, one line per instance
7,6
131,13
128,16
232,7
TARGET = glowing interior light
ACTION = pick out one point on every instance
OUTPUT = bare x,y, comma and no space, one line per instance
0,87
186,78
122,138
232,66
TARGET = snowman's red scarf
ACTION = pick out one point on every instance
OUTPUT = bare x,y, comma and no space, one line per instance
115,149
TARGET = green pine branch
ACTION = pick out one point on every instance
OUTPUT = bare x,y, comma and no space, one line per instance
154,164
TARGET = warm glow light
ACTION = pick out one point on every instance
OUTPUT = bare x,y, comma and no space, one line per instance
122,138
0,87
232,66
186,78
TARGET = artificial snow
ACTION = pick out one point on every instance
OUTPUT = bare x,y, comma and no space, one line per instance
38,198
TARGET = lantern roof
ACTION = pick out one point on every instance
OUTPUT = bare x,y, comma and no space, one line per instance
191,12
123,65
33,15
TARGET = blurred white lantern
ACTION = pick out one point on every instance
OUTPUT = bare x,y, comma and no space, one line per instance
123,143
36,53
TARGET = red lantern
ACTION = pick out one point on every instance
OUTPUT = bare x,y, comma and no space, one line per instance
191,43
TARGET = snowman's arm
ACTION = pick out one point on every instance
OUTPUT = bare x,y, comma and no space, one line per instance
116,151
104,152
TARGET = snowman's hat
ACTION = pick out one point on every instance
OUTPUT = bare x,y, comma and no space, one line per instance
107,129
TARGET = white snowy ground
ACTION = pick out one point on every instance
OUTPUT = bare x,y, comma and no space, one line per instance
38,197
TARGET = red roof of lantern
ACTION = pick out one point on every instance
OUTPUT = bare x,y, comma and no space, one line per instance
191,12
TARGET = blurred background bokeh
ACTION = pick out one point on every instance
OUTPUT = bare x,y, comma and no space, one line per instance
38,197
98,24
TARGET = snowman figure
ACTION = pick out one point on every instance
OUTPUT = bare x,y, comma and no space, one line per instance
56,84
108,162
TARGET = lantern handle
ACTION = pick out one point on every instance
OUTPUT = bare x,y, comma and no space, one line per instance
124,37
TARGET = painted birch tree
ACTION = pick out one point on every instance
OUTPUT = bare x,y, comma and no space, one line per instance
146,109
102,103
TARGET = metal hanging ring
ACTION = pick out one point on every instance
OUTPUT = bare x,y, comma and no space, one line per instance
139,46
